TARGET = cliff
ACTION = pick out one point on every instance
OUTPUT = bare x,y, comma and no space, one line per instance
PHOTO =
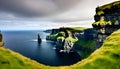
106,57
84,44
109,11
81,33
54,33
107,20
1,40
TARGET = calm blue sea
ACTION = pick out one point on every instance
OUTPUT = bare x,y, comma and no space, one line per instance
25,42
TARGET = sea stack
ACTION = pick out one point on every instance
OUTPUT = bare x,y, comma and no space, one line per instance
39,39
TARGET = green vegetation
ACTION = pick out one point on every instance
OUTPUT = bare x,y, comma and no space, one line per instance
54,37
12,60
108,6
106,57
90,44
60,36
73,40
84,54
113,21
102,22
1,43
78,28
100,13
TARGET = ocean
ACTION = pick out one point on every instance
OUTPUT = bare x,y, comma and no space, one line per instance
25,43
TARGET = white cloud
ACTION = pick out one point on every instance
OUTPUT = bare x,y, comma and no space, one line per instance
37,25
85,10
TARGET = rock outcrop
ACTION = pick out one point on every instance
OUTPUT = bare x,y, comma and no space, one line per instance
68,39
64,38
107,20
1,40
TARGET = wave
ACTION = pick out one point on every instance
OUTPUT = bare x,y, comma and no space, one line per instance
44,40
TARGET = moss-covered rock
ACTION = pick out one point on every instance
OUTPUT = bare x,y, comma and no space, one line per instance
52,37
100,13
60,43
101,23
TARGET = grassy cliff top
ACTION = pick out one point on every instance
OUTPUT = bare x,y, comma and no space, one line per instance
78,28
109,5
74,28
106,57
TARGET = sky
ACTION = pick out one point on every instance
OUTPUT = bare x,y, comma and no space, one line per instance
47,14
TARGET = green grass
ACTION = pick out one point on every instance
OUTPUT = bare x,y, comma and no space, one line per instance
90,44
1,43
100,13
53,37
109,5
68,29
78,28
73,40
12,60
87,44
84,54
102,22
106,57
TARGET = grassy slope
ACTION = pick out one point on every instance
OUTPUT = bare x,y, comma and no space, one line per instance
106,57
13,60
88,45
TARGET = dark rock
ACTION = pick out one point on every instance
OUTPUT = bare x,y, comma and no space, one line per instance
39,39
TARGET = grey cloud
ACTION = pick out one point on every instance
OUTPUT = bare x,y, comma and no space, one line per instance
35,8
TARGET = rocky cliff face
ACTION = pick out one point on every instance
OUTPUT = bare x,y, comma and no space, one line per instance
1,41
78,38
107,20
110,11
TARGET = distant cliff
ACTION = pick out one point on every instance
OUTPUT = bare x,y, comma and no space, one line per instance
85,43
81,33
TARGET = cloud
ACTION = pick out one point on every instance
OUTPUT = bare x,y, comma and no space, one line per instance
59,11
39,25
85,10
35,8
